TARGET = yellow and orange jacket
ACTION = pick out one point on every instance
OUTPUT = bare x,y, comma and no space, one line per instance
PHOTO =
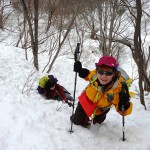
108,98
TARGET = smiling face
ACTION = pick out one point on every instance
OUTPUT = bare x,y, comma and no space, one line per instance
105,74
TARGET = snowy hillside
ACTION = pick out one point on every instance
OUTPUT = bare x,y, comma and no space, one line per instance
28,122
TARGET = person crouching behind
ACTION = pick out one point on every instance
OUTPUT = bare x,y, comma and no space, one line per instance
53,90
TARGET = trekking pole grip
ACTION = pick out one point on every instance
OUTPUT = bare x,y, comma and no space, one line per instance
77,51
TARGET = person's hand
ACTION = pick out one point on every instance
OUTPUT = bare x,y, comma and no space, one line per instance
70,104
124,99
77,66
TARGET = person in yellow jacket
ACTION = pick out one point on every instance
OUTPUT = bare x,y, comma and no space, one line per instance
104,90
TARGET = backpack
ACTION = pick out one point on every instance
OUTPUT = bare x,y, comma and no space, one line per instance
43,81
125,76
127,80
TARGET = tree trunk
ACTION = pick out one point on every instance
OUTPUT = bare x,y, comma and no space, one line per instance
36,8
138,55
33,35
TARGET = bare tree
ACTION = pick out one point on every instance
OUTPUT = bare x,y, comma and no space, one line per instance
105,23
138,53
136,48
3,18
135,45
67,30
33,30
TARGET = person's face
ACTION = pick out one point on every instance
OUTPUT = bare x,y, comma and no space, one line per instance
105,74
53,87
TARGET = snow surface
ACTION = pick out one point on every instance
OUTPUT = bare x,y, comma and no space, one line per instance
28,122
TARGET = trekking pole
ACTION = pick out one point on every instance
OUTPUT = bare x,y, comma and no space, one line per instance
76,57
123,124
124,88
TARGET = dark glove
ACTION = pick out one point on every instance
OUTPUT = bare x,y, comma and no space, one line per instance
70,104
124,101
77,66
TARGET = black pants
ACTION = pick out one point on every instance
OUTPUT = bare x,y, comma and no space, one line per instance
80,117
100,118
67,94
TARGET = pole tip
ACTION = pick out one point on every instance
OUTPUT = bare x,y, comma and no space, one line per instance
71,131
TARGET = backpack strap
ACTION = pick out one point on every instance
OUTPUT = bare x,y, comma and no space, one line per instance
93,79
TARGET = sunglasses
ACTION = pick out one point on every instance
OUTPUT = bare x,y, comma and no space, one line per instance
107,73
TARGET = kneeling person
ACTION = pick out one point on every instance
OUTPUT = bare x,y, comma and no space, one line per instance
49,87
